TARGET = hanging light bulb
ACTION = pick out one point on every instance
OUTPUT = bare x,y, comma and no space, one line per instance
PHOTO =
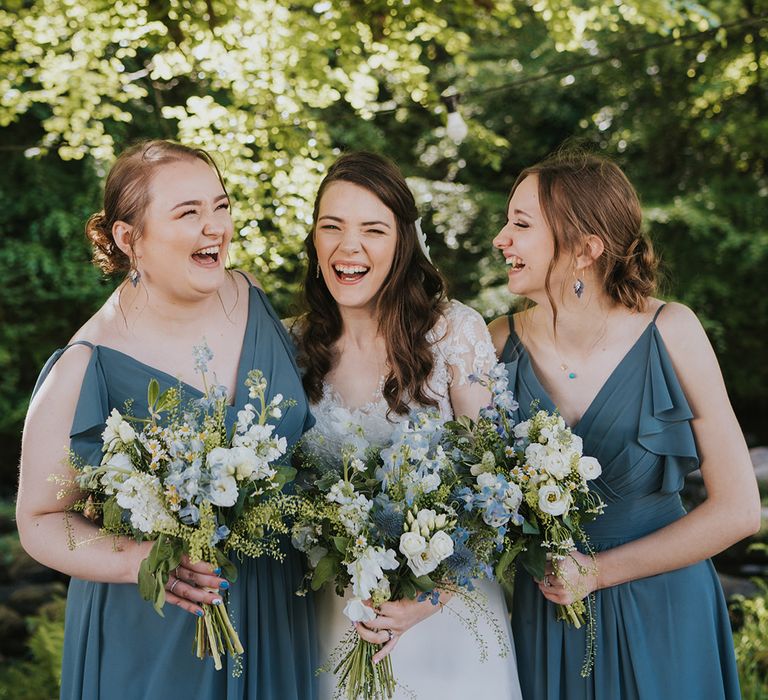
455,126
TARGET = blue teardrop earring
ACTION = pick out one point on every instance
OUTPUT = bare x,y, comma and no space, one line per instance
578,287
134,276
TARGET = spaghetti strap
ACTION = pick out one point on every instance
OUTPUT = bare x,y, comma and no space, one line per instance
511,321
87,344
53,359
246,278
658,311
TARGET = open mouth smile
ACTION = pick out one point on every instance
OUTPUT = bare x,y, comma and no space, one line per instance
350,273
207,257
514,262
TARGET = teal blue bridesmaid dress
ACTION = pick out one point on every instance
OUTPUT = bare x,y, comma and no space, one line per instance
115,646
664,637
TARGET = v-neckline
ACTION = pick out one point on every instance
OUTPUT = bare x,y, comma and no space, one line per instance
239,380
603,387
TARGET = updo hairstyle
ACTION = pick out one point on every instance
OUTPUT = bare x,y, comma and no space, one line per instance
127,197
582,195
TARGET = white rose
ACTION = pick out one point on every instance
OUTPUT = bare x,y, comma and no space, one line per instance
223,491
552,500
441,545
589,468
412,544
357,611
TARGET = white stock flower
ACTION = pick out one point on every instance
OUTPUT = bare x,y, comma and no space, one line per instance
357,611
552,500
441,545
589,468
367,570
120,468
111,431
140,494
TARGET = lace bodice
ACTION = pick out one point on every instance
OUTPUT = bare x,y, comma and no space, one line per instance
461,345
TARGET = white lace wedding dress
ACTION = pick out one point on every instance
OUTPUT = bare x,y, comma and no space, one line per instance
439,658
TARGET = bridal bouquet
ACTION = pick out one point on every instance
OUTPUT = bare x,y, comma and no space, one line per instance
385,524
181,479
529,481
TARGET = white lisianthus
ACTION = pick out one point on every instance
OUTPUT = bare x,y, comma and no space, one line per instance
243,462
412,544
513,497
126,432
357,611
222,490
556,464
423,564
552,500
119,469
111,431
426,519
521,429
441,545
487,464
218,461
486,480
430,483
589,468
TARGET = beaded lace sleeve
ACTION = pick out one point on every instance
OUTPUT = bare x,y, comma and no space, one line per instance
463,345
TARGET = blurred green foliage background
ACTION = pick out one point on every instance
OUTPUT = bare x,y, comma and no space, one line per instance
674,90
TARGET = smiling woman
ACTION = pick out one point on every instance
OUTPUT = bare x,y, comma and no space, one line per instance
166,223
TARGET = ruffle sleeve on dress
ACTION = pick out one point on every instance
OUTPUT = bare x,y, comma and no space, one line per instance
665,417
91,413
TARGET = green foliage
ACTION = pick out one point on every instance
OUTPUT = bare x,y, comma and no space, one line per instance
39,676
749,639
276,91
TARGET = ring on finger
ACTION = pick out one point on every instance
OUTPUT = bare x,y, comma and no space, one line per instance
173,585
546,580
390,634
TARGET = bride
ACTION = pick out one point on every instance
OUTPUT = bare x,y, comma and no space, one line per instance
378,339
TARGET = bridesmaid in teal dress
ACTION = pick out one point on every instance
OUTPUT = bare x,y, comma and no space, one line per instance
166,221
638,381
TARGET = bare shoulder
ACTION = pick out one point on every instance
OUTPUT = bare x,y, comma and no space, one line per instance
681,330
499,330
248,276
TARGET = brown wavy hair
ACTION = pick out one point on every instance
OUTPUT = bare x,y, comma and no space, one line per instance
127,197
410,302
582,194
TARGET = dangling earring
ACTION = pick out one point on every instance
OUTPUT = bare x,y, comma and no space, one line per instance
317,273
134,276
578,287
